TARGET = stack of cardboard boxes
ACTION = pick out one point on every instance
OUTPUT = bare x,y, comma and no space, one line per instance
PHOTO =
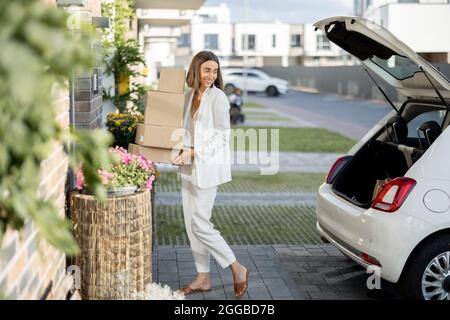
160,137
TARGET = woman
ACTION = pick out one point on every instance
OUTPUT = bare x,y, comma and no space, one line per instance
205,164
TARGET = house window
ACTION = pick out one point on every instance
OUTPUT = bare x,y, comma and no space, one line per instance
251,42
206,18
274,41
322,43
296,40
184,40
211,42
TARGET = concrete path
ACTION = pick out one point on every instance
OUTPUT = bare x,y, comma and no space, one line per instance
246,198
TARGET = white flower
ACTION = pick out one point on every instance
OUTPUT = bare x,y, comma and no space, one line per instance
155,291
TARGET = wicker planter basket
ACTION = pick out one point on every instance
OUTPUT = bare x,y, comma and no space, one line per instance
115,239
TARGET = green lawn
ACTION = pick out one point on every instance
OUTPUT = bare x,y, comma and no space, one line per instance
245,225
252,105
253,182
293,139
259,118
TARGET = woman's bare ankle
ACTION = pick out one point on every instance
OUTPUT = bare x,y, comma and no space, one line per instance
202,281
238,271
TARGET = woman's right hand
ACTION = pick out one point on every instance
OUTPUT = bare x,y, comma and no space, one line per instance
186,156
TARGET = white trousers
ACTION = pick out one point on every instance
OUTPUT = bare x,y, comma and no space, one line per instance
204,239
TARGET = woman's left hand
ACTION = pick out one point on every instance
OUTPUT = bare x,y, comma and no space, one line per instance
185,157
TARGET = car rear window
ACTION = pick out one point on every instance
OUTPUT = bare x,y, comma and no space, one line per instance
437,115
397,66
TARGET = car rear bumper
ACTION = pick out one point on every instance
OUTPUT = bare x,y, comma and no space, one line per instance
388,237
350,252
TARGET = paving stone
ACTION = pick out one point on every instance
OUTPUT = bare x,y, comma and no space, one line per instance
187,272
215,294
284,250
317,295
267,274
167,277
254,276
185,257
317,281
278,289
168,267
299,294
258,290
283,297
257,252
265,264
165,256
309,288
246,261
185,264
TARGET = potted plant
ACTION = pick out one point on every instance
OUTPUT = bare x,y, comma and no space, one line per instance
123,127
127,175
115,236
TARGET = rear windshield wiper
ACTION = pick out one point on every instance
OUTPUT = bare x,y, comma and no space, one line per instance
381,90
435,89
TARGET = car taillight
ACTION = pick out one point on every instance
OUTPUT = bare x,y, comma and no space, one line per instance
339,163
370,259
393,194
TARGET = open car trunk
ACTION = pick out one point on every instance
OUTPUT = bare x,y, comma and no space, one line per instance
396,63
374,161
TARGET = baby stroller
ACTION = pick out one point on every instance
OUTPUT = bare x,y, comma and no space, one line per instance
236,103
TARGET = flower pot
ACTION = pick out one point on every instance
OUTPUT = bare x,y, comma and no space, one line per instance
115,240
122,191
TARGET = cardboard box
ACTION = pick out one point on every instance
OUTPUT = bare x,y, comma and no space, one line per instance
172,79
133,148
157,136
154,154
164,109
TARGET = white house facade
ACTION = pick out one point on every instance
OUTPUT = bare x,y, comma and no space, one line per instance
422,24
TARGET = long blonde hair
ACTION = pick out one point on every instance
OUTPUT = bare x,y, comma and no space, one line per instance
193,75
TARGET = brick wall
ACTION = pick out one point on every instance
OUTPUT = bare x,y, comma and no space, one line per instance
29,267
88,105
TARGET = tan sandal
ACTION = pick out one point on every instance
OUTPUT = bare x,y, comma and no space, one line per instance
188,290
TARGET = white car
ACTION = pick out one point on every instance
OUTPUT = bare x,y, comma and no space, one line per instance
252,80
403,227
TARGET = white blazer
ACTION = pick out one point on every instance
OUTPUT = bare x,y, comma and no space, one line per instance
211,138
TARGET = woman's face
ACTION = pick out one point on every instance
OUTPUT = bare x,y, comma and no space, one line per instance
208,73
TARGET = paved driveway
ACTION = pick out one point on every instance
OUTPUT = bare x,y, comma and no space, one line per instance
277,272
